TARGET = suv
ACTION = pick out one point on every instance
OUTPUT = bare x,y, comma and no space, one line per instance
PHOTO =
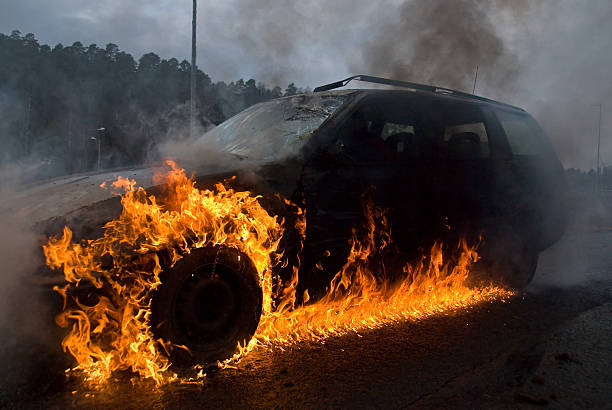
441,162
444,164
437,158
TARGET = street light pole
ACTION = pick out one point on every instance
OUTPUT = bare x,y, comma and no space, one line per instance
192,106
101,130
99,147
598,145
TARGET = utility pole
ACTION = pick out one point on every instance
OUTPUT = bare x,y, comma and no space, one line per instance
598,145
27,134
192,106
101,132
475,79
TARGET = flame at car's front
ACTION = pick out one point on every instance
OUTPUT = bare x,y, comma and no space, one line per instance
113,331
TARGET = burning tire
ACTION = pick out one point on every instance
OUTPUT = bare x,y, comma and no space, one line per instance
208,302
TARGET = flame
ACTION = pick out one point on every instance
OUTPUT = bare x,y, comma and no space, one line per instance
359,299
113,332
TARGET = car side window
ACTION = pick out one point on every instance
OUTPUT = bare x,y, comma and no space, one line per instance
467,141
460,130
523,134
400,138
391,128
360,138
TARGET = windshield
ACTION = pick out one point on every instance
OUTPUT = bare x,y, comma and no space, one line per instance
276,128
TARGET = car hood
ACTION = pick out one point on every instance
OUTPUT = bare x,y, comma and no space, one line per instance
59,196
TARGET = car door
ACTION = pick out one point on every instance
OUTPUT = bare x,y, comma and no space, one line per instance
355,162
467,193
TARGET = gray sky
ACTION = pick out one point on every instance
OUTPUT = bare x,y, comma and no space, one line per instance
553,57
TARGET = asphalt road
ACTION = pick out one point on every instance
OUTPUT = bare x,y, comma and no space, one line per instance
547,347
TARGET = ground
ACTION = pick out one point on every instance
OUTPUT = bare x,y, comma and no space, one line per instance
546,347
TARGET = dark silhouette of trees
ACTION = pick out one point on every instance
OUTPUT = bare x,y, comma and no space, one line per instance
52,100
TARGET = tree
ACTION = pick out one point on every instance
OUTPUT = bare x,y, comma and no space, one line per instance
148,62
52,98
291,89
111,51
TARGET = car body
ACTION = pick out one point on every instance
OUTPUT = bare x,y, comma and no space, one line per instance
443,164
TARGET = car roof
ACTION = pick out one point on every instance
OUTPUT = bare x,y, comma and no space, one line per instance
443,96
404,87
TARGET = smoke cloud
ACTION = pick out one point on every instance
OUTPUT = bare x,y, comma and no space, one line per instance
544,56
547,56
17,252
440,43
191,150
29,337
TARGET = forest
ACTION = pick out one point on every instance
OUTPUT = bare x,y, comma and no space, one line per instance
58,103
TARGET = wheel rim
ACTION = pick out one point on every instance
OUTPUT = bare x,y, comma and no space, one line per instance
208,307
207,304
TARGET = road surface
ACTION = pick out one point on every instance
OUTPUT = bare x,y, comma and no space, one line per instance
546,347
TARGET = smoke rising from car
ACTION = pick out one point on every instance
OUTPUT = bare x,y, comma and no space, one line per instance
193,151
29,336
544,56
579,256
18,246
442,43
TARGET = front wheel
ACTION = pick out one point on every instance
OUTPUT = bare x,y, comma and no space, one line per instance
209,301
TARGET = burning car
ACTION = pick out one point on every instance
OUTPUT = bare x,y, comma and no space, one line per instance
416,166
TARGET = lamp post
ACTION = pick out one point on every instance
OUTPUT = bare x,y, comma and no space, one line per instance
598,145
192,105
100,130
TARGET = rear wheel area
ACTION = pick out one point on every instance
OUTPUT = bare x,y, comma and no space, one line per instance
518,268
209,301
508,259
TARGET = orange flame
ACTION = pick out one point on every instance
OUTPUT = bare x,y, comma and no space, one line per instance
114,332
358,299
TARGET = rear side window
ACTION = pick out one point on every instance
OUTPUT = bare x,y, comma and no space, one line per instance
523,133
461,130
391,128
477,128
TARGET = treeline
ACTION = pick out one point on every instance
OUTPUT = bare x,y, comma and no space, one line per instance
583,182
57,103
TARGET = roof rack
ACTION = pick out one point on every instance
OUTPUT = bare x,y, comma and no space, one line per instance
406,84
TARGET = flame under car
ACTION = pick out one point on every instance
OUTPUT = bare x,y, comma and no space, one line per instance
445,167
